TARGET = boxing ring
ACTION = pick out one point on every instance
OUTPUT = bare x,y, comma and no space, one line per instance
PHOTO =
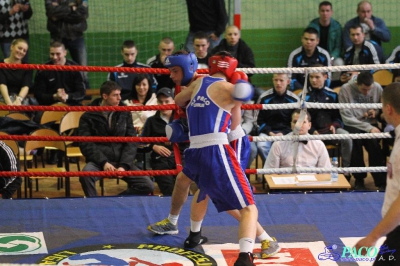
91,231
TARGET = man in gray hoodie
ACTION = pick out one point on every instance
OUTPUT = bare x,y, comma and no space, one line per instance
363,90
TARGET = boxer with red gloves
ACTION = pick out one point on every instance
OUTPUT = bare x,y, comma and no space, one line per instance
243,91
183,73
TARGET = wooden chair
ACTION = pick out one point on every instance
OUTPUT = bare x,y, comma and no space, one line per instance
18,116
37,144
3,112
335,150
298,92
337,89
29,157
15,148
383,77
53,117
70,122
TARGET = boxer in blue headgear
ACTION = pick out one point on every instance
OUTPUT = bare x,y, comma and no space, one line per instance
183,66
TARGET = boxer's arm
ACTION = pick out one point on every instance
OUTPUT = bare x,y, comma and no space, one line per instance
183,98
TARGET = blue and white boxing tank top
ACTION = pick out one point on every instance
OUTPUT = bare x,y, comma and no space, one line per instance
204,116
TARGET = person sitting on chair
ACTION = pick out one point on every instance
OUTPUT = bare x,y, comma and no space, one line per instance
311,153
110,156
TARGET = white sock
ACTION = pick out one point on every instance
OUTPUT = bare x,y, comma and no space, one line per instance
195,226
246,244
264,236
173,218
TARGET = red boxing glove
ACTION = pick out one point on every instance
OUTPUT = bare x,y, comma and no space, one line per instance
180,113
238,75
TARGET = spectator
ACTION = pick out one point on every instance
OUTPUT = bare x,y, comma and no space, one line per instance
66,22
329,32
201,45
8,162
165,47
59,86
327,121
362,52
51,87
15,83
363,90
394,56
125,80
236,47
313,153
374,28
162,155
110,156
274,122
142,95
234,44
209,16
14,24
307,55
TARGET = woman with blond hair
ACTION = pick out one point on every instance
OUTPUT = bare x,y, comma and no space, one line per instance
15,83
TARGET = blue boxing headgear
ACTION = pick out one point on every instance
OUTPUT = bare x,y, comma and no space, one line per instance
187,62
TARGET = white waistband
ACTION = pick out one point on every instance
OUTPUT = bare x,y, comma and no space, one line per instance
205,140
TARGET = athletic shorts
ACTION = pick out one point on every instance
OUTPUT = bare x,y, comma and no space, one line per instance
242,149
218,174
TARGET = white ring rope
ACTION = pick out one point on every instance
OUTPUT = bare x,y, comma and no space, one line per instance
323,137
303,106
311,105
315,170
318,69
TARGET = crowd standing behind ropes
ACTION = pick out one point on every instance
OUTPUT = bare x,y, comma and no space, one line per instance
324,41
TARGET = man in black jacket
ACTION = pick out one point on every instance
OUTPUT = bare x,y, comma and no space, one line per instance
236,47
59,86
66,22
240,50
110,156
165,47
209,16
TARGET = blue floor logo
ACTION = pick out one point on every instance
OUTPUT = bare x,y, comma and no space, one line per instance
128,254
329,254
351,254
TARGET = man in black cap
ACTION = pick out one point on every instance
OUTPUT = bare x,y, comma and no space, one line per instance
162,155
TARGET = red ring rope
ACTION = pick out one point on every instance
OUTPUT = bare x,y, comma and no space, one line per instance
92,68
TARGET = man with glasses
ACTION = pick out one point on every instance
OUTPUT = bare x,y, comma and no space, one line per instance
165,47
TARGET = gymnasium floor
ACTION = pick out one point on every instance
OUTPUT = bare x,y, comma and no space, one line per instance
110,230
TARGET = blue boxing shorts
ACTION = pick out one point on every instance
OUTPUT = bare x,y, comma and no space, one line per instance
218,174
241,145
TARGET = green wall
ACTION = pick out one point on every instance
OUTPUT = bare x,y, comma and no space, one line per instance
272,28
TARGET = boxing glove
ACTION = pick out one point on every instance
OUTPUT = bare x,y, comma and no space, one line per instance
242,91
238,75
176,131
181,113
